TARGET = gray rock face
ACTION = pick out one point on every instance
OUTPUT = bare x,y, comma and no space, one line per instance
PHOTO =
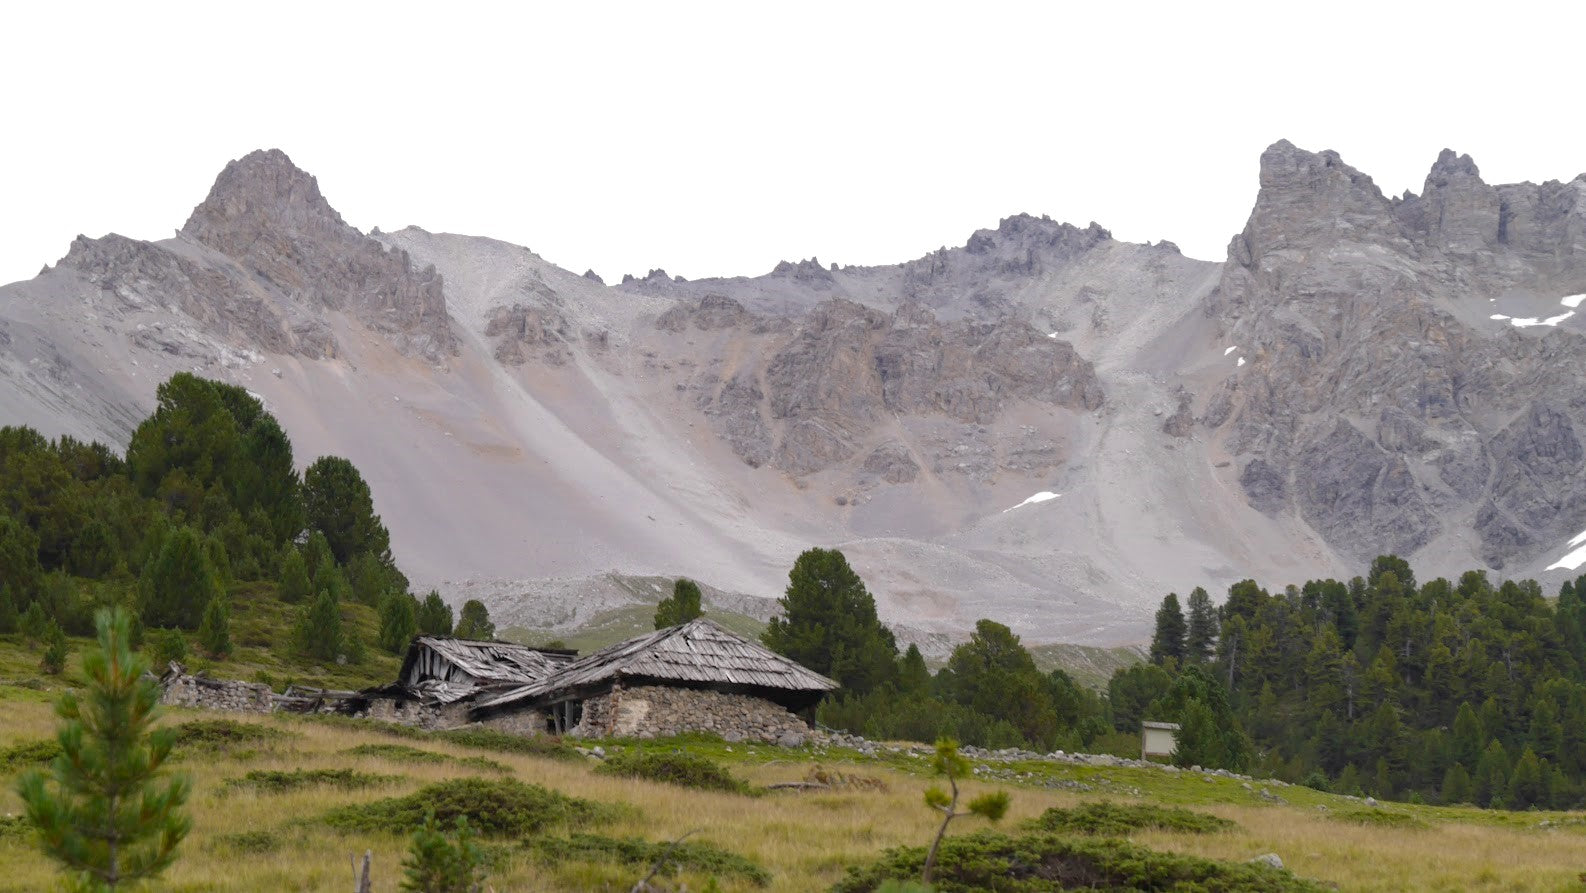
847,367
141,275
1354,306
269,217
522,332
892,463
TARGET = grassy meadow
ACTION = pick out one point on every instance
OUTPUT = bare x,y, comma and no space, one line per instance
259,837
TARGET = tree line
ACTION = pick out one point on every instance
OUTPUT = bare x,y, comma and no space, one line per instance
1456,692
207,499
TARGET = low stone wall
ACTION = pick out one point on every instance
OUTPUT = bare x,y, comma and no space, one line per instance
659,711
517,722
413,713
232,695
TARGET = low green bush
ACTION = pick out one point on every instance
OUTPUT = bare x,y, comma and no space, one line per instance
26,754
279,781
251,842
679,768
1107,819
701,857
13,827
495,808
1036,863
225,734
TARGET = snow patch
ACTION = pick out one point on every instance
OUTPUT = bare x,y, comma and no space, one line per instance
1240,363
1230,350
1051,334
1572,301
1575,558
1042,496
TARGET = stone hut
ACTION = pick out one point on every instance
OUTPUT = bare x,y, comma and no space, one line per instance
697,677
441,675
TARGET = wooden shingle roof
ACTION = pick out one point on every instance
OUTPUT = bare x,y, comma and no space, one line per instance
489,663
699,652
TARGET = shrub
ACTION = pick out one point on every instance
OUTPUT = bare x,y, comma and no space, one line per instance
224,734
684,769
701,857
13,827
37,752
988,861
1119,819
277,781
494,807
254,842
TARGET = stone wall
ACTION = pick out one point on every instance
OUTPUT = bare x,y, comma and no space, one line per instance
517,722
413,713
232,695
659,711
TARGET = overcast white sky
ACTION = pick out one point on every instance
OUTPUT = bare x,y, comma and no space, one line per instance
718,139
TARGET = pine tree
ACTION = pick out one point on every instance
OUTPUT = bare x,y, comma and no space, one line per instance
214,634
1492,776
168,646
109,818
438,864
829,624
475,622
1528,783
435,616
1167,643
1198,741
952,765
913,674
681,607
319,631
295,584
398,622
55,650
337,503
1200,640
179,583
1457,787
35,623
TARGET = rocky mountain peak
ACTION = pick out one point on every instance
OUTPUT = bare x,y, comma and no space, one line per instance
268,215
263,186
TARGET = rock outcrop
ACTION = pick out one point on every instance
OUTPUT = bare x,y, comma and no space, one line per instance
823,390
269,217
1352,306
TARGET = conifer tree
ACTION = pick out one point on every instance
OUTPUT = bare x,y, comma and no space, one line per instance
475,623
109,818
1456,785
168,646
435,616
295,584
398,622
1167,643
952,765
319,630
681,607
55,650
179,583
35,623
1528,782
1200,639
913,674
214,634
829,624
439,864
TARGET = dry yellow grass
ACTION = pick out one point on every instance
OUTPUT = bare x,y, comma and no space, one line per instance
804,839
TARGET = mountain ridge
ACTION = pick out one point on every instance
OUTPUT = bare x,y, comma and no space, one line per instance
1333,387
